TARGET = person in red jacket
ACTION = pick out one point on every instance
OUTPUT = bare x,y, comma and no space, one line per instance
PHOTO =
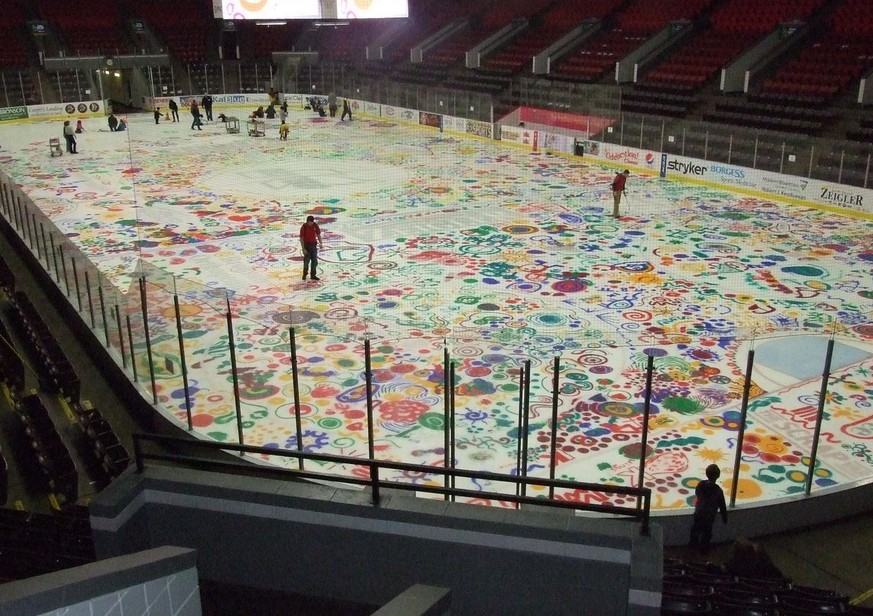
310,242
618,187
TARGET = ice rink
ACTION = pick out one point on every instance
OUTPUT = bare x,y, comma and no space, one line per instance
434,242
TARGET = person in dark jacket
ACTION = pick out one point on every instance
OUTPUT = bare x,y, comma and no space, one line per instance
207,106
710,501
113,122
347,110
174,110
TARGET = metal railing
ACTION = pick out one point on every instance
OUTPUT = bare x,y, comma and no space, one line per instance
376,483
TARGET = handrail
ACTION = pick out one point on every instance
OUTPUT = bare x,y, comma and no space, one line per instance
640,513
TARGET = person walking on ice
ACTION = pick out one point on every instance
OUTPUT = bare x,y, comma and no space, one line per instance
619,184
310,242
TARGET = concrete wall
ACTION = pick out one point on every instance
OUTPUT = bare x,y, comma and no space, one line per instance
325,541
158,582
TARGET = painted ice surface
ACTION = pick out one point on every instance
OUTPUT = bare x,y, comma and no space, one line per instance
436,242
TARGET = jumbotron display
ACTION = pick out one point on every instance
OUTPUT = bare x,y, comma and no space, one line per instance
310,9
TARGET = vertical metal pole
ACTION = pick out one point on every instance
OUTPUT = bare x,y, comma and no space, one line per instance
446,412
130,341
36,237
744,409
683,141
64,266
730,146
663,128
782,158
553,446
103,315
826,373
44,244
148,340
867,171
811,157
706,145
755,154
650,368
120,336
297,422
642,128
76,281
368,379
234,377
452,417
90,299
840,172
526,425
182,359
519,425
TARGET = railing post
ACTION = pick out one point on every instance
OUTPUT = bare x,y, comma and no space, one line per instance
744,407
446,415
181,338
234,376
650,368
145,323
826,373
374,483
368,379
553,446
294,383
525,425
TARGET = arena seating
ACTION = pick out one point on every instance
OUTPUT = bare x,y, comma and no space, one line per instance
706,588
559,19
32,544
498,16
48,449
174,22
429,18
55,370
89,27
735,26
12,53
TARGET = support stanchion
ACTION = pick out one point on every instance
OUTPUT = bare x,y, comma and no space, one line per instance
294,383
234,377
76,284
64,267
182,360
825,377
553,445
452,456
518,428
120,336
132,356
148,341
446,412
55,258
525,425
650,368
90,299
103,313
368,379
744,409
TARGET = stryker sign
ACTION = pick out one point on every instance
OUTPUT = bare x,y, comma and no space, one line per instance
686,168
841,198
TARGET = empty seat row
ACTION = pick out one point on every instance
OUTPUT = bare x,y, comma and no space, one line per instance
55,370
48,449
33,544
103,447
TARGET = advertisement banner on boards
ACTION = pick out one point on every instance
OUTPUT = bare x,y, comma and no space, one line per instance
13,113
632,157
453,124
84,108
400,113
480,129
